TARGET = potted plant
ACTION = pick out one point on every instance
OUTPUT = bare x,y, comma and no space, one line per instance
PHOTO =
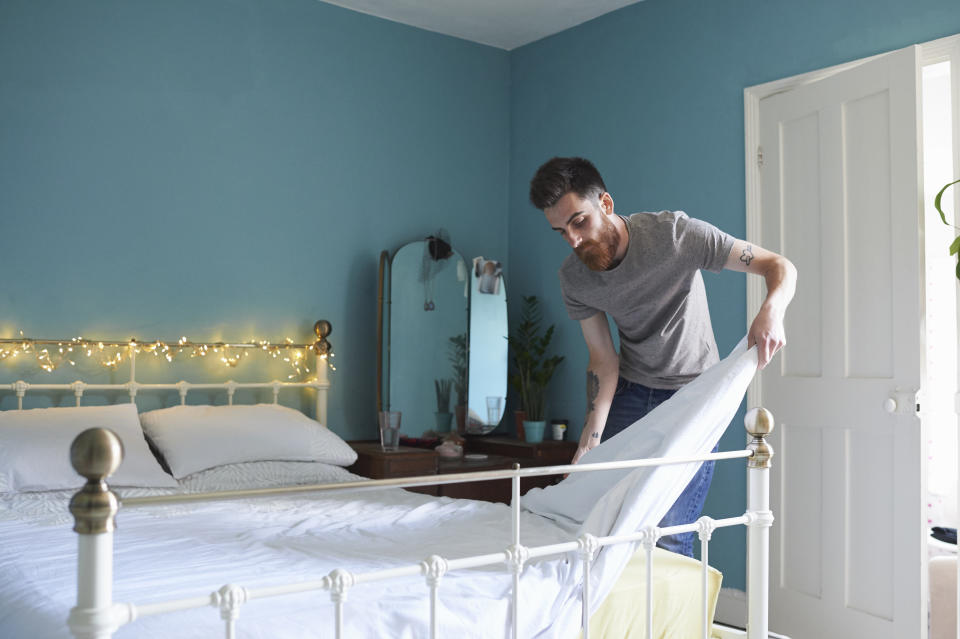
457,355
533,368
443,414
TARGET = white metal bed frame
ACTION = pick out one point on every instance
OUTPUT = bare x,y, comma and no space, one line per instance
97,453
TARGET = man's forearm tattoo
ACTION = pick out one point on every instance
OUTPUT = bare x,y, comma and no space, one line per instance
593,435
593,389
747,256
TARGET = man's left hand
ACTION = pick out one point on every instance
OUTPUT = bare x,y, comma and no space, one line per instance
768,334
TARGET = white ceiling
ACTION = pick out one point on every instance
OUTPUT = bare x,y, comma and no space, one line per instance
505,24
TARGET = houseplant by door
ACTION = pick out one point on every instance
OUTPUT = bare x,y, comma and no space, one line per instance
533,369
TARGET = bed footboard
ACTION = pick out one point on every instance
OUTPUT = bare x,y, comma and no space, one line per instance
97,453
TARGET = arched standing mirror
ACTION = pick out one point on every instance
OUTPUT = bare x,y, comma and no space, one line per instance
487,381
436,329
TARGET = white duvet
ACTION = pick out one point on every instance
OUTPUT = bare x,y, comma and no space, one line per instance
185,551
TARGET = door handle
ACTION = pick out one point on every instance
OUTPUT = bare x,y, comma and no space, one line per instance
902,401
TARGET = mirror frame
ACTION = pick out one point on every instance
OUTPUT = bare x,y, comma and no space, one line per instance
384,259
383,317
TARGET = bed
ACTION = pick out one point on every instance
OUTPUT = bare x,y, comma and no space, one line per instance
281,541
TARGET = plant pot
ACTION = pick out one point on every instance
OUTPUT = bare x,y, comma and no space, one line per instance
533,431
443,421
518,417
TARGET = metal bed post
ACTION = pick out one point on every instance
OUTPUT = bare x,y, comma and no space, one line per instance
759,423
323,351
95,454
229,599
340,582
705,533
517,554
588,547
132,387
20,387
321,385
78,388
434,568
650,536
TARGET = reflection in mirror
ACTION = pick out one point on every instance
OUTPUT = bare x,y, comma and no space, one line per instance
428,298
488,346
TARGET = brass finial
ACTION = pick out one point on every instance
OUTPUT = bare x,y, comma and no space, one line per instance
322,328
95,454
759,423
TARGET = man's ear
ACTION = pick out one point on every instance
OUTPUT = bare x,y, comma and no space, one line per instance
606,203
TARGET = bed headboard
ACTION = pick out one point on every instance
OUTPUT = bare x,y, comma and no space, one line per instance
128,349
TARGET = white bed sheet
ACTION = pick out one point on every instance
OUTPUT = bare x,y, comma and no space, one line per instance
189,550
186,551
616,502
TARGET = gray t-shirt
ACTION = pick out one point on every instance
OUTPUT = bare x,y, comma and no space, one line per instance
655,296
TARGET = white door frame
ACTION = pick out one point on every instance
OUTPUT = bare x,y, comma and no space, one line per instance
930,52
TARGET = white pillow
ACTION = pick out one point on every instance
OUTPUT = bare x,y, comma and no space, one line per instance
265,474
35,448
192,438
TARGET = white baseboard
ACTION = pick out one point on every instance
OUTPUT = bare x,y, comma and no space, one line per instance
732,611
732,607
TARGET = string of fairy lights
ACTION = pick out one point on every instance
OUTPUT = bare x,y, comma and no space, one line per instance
51,355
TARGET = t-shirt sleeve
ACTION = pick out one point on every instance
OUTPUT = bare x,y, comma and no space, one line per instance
575,309
704,243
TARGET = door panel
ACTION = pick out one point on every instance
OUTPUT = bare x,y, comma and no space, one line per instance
800,457
869,250
800,220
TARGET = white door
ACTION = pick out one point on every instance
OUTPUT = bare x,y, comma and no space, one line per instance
839,196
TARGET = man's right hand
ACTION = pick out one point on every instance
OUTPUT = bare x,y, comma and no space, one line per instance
581,451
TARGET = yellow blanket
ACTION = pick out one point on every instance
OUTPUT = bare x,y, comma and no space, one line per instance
676,599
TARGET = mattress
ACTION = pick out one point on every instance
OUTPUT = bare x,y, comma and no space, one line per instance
677,603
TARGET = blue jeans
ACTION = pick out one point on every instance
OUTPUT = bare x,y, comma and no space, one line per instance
631,402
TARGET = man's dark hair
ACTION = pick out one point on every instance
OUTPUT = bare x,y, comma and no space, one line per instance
559,176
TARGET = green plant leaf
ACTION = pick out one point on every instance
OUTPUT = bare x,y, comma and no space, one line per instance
955,245
936,204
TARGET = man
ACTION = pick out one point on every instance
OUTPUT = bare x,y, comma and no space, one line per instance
644,270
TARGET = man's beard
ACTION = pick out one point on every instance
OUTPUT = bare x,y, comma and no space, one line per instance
598,254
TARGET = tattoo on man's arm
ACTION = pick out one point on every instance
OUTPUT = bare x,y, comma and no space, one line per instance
593,389
593,435
747,256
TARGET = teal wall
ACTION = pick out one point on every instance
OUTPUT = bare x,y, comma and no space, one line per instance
224,169
653,94
232,168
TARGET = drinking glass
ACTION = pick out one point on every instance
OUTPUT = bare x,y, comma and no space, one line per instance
389,421
493,410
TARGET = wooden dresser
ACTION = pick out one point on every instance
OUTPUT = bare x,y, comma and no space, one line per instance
501,452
